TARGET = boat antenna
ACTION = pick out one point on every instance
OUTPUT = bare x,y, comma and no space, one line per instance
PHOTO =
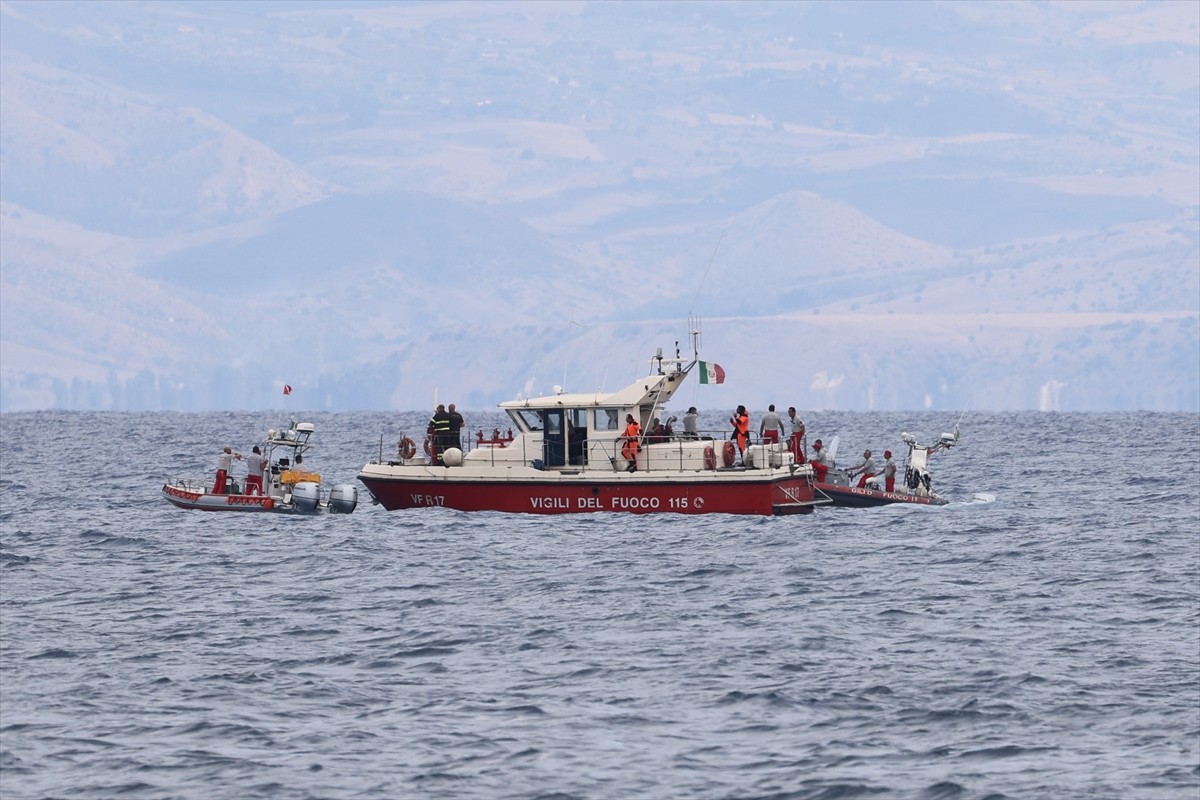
567,355
707,267
963,414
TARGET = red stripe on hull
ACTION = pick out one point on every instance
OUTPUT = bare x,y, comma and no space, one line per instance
789,495
854,497
217,502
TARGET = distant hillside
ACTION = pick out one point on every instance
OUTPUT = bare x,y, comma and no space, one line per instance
871,205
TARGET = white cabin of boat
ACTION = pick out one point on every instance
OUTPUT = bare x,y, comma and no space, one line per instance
579,431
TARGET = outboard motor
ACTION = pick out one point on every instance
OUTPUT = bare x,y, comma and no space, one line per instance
307,496
912,479
343,498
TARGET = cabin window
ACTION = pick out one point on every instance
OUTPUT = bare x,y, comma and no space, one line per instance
578,419
608,419
526,419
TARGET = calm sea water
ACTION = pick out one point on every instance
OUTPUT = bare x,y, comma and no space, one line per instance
1041,644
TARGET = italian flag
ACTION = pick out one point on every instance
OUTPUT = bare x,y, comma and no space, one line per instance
711,373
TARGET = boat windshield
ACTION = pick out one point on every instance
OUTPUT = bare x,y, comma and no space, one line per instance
526,419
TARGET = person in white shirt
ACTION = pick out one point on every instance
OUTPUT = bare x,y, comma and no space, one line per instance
224,464
254,472
820,461
796,444
689,423
770,427
889,471
866,469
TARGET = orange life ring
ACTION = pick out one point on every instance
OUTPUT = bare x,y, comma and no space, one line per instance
408,448
727,454
428,446
710,458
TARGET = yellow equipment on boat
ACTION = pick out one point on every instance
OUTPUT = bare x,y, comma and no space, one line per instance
291,476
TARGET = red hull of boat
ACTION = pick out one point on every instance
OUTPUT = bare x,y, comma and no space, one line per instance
644,496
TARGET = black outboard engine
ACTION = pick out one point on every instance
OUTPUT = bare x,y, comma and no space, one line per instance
911,478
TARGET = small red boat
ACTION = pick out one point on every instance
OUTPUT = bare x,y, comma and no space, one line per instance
566,454
916,488
287,488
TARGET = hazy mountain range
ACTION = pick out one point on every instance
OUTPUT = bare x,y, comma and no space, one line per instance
869,205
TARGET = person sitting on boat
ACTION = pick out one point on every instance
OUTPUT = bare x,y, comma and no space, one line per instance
796,443
820,461
254,471
629,450
689,423
866,469
659,432
224,464
771,426
889,471
741,428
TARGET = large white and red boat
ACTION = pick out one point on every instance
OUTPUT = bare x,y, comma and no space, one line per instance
916,488
564,455
288,486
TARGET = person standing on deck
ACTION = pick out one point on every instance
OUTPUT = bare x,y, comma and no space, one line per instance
456,425
889,471
796,444
689,423
439,430
224,465
254,472
741,428
866,469
629,450
770,427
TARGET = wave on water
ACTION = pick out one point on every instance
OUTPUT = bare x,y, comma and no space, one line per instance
1038,637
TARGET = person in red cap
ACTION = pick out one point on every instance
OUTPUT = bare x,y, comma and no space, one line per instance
889,471
819,462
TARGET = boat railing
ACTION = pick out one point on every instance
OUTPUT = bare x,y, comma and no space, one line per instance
190,485
593,455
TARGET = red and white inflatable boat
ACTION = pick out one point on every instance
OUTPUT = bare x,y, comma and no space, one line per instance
287,488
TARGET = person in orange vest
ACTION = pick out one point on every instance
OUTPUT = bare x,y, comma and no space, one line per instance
629,450
741,428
